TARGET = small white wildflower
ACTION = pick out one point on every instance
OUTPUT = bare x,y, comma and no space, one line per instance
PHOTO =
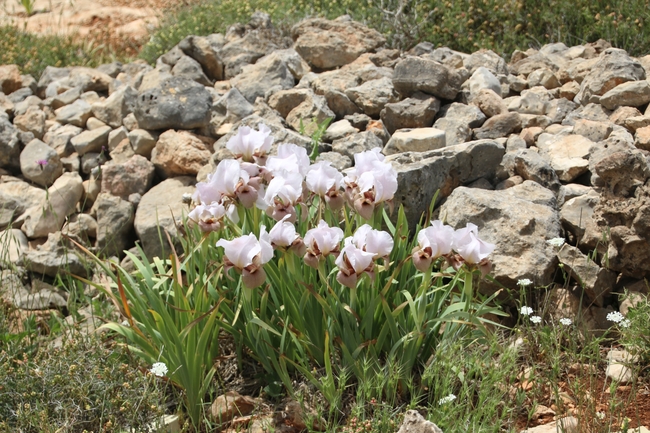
600,415
526,311
447,399
615,317
524,282
159,369
536,319
556,242
125,323
625,323
566,321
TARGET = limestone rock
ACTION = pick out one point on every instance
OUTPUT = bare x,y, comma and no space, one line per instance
231,404
76,114
10,79
373,95
114,108
189,68
415,423
160,210
61,201
326,44
269,73
91,141
356,143
9,144
205,50
33,120
418,111
53,256
134,176
518,227
40,163
415,140
179,153
500,125
115,224
415,74
631,93
178,103
595,281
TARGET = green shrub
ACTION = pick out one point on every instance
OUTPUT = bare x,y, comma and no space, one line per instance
84,386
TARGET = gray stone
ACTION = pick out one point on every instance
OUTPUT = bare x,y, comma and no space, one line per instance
180,153
572,190
205,51
54,257
82,228
577,216
76,114
415,423
338,161
543,77
230,109
59,139
326,44
61,201
33,120
9,145
416,74
143,142
421,174
418,111
613,68
532,166
115,224
114,108
356,143
594,131
189,68
516,225
569,155
339,129
269,73
487,59
92,160
631,93
16,196
161,210
91,141
116,136
596,282
373,95
133,176
490,103
178,103
500,125
470,115
482,79
40,163
14,244
558,109
415,140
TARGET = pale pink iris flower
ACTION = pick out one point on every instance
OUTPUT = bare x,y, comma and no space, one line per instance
370,182
247,255
352,263
378,242
209,217
322,241
282,194
433,242
326,182
251,145
468,245
291,158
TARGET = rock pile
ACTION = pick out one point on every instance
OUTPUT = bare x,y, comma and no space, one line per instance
553,144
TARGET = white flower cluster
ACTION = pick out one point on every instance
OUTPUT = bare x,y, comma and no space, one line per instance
526,311
447,399
159,369
536,320
566,321
556,242
617,317
524,282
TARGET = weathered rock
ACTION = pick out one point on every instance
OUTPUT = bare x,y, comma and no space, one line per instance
418,111
530,102
189,68
577,215
487,59
631,93
91,141
61,201
205,51
373,95
326,44
500,125
82,228
231,108
59,139
518,226
338,161
40,163
532,166
33,120
134,176
231,404
567,424
415,74
613,68
269,73
179,153
596,282
14,244
490,103
632,300
415,140
142,141
52,257
356,143
619,366
642,138
10,79
178,103
415,423
9,144
623,172
594,131
114,108
302,109
115,224
421,174
543,77
569,155
482,79
339,129
159,211
17,196
76,114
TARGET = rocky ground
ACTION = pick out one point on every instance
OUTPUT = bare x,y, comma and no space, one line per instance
553,144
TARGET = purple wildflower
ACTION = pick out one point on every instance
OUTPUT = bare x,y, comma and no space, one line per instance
42,162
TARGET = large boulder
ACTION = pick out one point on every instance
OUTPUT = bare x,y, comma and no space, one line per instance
178,103
327,44
421,174
40,163
179,153
161,211
268,74
518,221
134,176
415,74
418,111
